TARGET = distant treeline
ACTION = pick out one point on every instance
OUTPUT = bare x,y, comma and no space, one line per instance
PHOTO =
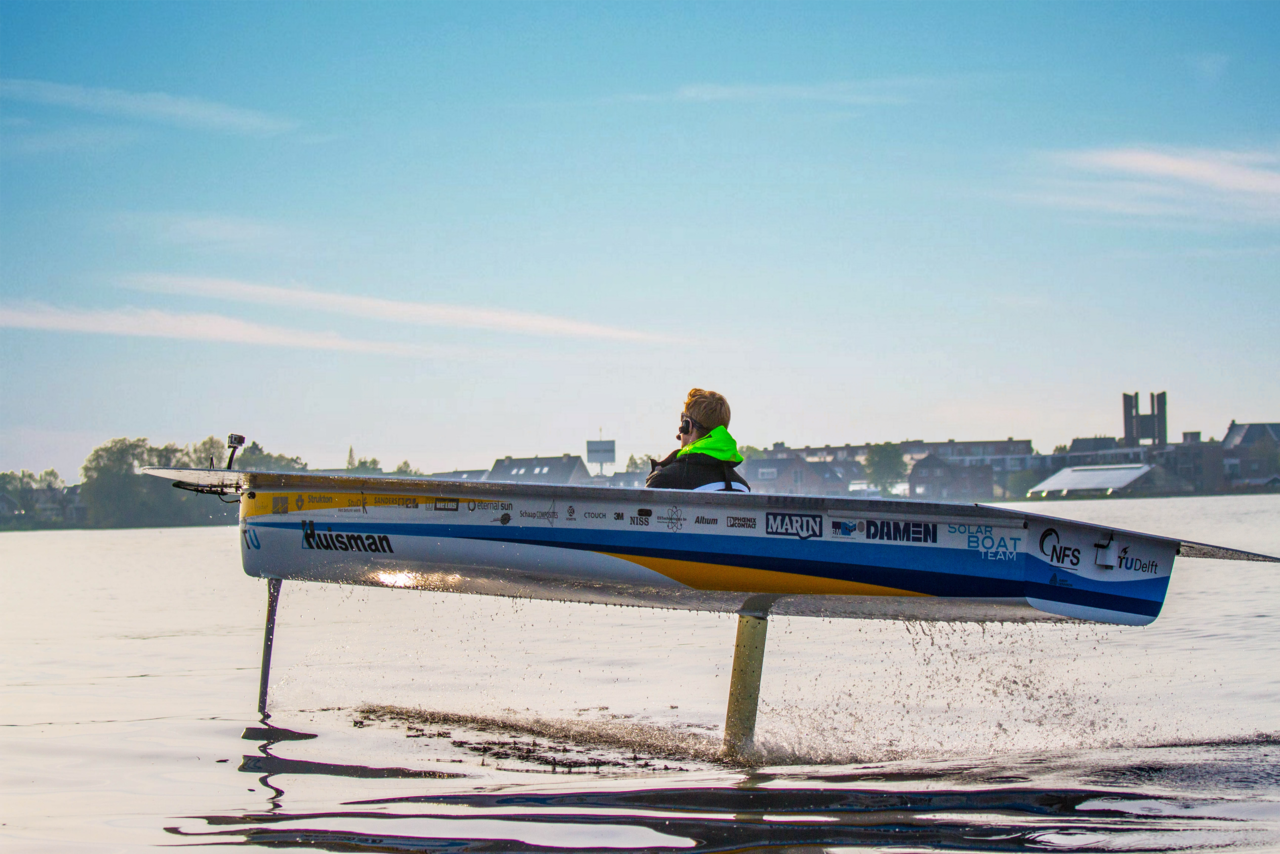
114,494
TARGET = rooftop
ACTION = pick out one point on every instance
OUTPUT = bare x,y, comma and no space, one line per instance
1092,477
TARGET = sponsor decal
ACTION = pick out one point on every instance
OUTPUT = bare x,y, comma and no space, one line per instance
1055,581
571,518
331,542
505,518
279,504
641,521
618,517
251,537
300,502
984,539
473,506
591,514
739,521
706,520
840,528
541,515
1134,564
902,532
393,501
800,525
446,504
1051,547
675,519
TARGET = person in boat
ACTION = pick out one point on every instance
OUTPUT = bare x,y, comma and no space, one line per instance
708,455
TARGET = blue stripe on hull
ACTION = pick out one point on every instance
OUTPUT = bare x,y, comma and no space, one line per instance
1094,599
1046,581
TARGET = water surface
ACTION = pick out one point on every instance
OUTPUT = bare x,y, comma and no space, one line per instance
475,724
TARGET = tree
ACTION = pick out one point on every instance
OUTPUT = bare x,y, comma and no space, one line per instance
643,464
212,453
885,465
255,458
406,470
362,465
118,496
751,452
26,492
1020,483
50,482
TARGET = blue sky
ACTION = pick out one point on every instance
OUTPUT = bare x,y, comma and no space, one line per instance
449,232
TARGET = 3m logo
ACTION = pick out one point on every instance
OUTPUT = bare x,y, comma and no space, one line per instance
799,525
280,504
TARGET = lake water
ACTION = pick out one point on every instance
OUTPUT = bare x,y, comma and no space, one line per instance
470,724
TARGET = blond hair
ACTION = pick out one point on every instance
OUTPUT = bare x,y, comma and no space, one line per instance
708,408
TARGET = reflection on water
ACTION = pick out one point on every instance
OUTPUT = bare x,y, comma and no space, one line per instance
1143,800
411,721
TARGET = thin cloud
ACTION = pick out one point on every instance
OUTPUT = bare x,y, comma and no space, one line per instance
150,106
78,139
395,311
1167,183
150,323
1222,171
212,232
890,90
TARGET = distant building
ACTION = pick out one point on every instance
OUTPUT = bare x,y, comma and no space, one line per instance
1093,445
1096,451
625,479
1251,454
9,505
564,469
1102,481
1153,426
1004,456
60,505
1198,463
792,475
461,474
935,478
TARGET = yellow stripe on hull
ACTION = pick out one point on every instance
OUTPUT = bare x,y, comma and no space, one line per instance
712,576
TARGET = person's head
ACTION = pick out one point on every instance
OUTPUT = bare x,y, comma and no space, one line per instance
703,412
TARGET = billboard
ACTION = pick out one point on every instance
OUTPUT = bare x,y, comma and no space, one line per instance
600,452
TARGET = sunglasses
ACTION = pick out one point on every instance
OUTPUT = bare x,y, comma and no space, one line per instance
688,423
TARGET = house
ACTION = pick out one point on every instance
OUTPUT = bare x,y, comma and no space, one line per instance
564,469
1251,454
1005,456
9,505
1198,463
624,479
792,475
460,474
1130,480
60,504
935,478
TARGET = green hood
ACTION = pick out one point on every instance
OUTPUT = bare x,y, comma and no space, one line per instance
718,444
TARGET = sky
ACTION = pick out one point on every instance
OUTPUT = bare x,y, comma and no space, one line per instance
446,233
